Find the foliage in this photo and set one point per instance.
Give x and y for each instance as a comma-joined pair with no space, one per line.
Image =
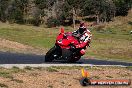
122,6
41,3
3,9
103,8
39,12
53,22
16,11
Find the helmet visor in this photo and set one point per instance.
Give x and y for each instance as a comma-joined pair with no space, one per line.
81,30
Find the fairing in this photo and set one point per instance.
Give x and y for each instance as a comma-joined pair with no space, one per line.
65,39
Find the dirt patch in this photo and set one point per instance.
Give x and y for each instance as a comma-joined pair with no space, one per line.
7,45
64,77
13,45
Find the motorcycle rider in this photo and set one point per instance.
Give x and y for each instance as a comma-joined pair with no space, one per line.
84,37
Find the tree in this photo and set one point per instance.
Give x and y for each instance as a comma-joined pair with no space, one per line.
103,9
17,10
44,8
24,8
3,6
76,6
108,10
122,6
61,11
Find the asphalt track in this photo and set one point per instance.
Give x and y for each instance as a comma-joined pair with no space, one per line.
10,59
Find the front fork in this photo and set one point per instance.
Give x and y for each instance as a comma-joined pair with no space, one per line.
57,54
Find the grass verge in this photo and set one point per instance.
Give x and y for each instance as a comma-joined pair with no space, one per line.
107,43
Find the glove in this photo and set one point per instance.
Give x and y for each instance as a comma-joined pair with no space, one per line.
75,34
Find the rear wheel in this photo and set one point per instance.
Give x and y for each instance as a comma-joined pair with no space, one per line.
74,59
49,57
69,56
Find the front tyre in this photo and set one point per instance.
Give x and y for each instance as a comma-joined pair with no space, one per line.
49,57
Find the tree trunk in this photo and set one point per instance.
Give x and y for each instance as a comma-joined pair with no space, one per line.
74,15
97,19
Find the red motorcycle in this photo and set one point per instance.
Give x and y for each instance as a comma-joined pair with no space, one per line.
64,48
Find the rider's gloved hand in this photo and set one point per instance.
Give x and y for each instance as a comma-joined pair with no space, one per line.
75,34
78,35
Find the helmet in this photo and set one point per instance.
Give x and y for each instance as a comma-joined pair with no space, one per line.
82,28
82,24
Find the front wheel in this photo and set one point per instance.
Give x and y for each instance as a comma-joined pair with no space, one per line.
49,57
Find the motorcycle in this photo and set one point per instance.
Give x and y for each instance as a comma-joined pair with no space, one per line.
64,48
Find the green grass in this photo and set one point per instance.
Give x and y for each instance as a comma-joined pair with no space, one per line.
110,43
39,38
108,76
51,69
28,68
129,68
50,86
96,77
8,73
16,70
5,75
3,85
107,45
67,67
17,80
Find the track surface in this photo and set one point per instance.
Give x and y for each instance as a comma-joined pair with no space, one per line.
17,58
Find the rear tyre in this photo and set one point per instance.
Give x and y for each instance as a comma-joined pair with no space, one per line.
69,56
74,59
49,57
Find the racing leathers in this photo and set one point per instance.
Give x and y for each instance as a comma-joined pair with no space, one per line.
83,38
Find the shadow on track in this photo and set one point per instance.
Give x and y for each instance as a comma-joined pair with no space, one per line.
104,62
17,58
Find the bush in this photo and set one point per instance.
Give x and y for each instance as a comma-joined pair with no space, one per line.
52,22
33,21
130,22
